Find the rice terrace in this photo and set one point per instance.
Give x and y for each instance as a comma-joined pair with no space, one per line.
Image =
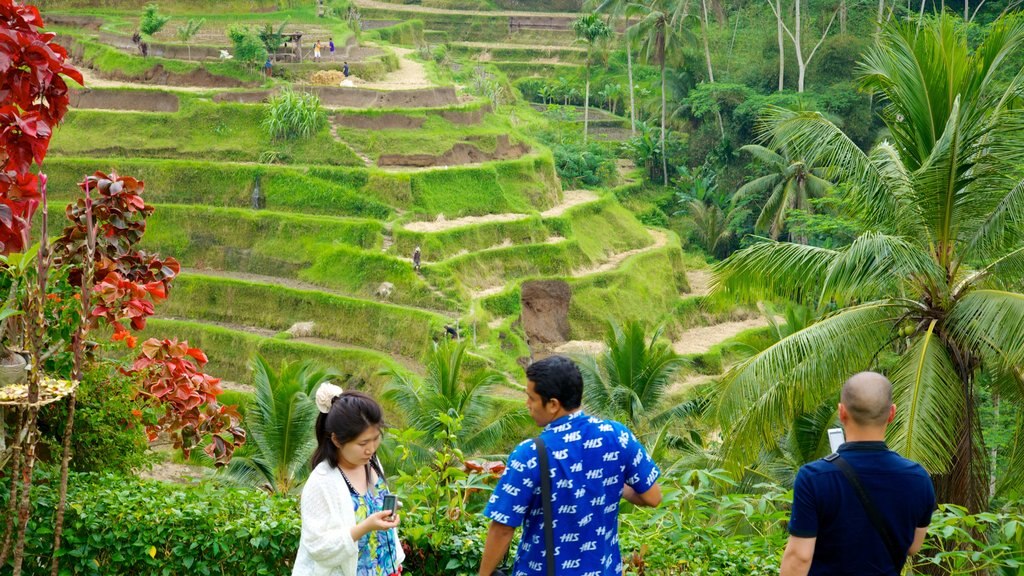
220,220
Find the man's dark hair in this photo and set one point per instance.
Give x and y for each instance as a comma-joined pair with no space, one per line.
557,377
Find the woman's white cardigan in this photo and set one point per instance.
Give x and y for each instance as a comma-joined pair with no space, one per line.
326,547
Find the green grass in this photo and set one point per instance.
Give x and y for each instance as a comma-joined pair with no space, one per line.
382,327
321,190
645,288
436,136
199,130
472,27
589,224
229,351
405,33
519,53
495,187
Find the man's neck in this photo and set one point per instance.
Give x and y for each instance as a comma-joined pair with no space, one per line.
855,434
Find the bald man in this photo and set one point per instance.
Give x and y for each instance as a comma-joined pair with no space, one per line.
830,531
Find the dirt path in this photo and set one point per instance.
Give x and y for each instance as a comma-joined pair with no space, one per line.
570,198
700,340
699,281
428,10
410,75
660,239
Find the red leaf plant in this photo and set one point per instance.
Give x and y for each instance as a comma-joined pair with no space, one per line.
171,375
128,281
34,99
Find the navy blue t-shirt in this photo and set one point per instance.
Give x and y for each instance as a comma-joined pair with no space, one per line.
826,507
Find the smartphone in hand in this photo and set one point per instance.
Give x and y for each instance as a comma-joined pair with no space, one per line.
391,504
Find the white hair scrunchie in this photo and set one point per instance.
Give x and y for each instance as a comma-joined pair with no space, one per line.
325,395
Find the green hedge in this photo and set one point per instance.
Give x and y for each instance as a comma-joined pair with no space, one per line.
230,350
200,130
125,526
381,327
321,190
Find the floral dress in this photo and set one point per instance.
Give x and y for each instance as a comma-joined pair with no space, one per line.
377,554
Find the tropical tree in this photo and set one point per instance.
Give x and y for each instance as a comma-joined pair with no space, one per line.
711,214
619,9
629,381
151,20
486,419
591,30
659,31
280,423
790,185
611,93
188,30
935,282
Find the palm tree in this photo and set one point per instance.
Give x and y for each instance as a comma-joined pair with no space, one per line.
710,213
591,30
280,424
791,183
188,30
936,281
630,379
617,9
486,418
659,30
611,94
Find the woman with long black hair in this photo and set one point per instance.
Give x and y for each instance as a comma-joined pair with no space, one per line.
345,530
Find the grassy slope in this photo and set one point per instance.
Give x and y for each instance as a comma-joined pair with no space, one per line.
199,130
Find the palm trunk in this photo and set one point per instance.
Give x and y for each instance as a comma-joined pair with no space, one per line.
664,155
782,47
842,17
586,101
629,73
707,48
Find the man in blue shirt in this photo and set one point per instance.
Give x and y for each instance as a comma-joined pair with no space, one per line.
830,530
594,464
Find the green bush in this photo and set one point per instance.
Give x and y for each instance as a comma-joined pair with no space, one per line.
580,165
107,436
247,47
294,115
152,21
125,526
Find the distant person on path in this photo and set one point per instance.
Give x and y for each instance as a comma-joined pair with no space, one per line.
268,67
415,253
344,70
345,531
831,531
594,464
316,51
330,48
451,332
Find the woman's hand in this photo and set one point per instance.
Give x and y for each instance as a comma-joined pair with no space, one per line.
384,520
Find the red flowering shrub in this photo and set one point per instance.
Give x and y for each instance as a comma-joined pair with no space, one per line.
171,374
33,100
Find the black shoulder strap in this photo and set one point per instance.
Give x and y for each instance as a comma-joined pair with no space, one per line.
545,499
897,556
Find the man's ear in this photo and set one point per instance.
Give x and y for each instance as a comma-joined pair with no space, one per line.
843,414
892,414
553,406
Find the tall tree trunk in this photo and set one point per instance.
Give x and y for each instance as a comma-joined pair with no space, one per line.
629,74
881,14
664,155
586,100
842,16
994,453
782,47
707,47
801,66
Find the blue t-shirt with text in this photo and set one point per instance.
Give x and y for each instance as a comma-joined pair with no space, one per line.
591,460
